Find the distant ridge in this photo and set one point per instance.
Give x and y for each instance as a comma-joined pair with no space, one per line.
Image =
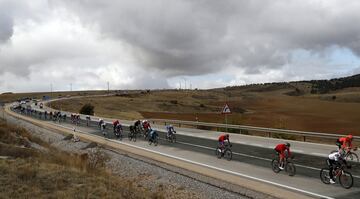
301,87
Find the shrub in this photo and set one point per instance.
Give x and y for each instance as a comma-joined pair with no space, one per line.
173,101
97,158
87,109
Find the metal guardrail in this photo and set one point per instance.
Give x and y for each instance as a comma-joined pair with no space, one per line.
268,131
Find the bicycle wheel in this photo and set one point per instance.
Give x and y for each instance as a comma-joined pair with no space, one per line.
228,154
324,175
353,157
156,142
275,165
346,180
290,169
134,137
173,138
218,152
130,136
120,136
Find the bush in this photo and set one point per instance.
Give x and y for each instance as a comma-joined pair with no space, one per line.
97,158
173,101
87,109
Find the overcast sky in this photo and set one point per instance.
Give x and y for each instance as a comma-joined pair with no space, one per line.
163,43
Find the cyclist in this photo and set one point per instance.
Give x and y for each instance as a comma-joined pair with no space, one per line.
222,139
153,135
170,130
345,142
137,126
281,149
118,129
115,123
88,119
146,126
101,121
335,160
102,126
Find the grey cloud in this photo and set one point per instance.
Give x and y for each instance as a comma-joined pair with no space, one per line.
189,37
196,37
6,27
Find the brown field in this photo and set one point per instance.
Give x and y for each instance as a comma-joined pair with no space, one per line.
253,105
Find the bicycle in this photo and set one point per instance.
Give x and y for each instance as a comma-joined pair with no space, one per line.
346,180
224,152
171,137
132,134
102,128
288,165
118,133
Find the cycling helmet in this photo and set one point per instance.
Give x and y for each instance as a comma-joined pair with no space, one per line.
350,137
170,125
287,144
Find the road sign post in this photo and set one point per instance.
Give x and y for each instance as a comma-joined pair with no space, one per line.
226,110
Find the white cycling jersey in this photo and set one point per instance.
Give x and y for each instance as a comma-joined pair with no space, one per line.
335,156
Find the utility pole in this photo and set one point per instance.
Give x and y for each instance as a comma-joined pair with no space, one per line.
185,82
108,85
51,93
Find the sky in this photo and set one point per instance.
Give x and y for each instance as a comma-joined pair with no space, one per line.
156,44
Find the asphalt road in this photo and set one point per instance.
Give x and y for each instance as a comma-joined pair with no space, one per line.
248,160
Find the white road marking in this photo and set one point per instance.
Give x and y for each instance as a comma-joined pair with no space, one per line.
319,154
297,151
259,145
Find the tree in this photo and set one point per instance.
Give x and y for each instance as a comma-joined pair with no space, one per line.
87,109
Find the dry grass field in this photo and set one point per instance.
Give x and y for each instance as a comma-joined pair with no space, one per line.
45,172
270,107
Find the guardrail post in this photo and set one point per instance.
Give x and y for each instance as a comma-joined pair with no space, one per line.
179,125
304,138
269,134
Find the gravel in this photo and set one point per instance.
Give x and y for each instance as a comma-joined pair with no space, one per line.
152,175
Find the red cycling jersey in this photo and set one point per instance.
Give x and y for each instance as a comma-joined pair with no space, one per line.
281,148
345,141
222,138
146,125
116,122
